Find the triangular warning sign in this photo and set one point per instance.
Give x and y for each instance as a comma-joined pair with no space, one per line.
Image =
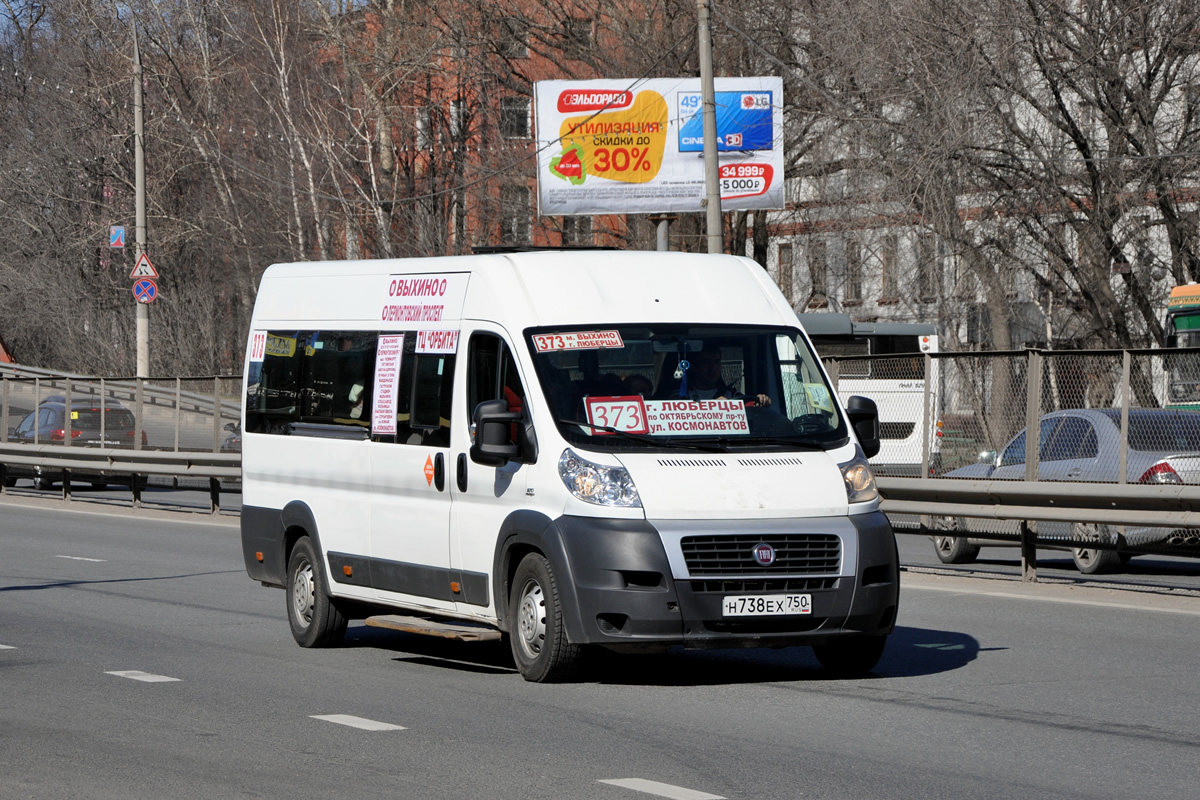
143,268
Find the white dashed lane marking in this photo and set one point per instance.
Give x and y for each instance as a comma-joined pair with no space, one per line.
662,789
81,558
7,647
358,722
138,675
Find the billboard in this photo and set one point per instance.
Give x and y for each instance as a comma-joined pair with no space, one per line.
637,147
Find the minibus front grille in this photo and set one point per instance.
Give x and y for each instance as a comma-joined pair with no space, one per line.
760,586
733,554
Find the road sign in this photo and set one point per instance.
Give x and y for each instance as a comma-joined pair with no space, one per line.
143,268
116,236
145,290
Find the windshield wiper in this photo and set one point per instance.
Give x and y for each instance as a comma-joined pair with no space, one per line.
726,443
645,438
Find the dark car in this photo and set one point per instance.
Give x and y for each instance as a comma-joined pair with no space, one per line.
92,422
232,443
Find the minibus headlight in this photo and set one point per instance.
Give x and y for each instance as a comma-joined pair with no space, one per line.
596,483
860,483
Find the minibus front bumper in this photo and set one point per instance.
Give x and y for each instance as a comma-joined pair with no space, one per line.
634,584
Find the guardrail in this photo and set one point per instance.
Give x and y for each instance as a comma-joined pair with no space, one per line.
134,464
1026,503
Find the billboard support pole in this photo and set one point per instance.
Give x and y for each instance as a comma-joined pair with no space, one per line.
139,143
708,101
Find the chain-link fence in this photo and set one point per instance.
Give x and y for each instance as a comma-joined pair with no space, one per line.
1120,417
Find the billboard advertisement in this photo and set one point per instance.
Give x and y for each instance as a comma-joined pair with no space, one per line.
637,147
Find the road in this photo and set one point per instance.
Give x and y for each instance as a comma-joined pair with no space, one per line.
140,662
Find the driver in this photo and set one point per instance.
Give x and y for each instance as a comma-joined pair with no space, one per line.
704,379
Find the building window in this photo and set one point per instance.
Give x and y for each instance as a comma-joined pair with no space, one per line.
929,268
853,289
512,38
889,292
1189,237
817,273
577,230
577,36
514,117
515,220
425,133
784,271
459,120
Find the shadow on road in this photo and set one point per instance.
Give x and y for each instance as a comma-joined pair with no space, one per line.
910,652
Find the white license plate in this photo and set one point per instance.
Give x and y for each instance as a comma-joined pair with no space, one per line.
765,605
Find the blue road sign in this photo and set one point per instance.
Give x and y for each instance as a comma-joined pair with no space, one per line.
116,236
145,290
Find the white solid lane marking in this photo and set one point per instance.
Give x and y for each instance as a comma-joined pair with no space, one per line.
138,675
1074,601
662,789
81,558
358,722
7,647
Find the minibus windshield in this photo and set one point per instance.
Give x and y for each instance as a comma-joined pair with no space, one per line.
701,386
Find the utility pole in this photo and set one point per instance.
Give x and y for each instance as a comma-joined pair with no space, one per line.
708,108
139,245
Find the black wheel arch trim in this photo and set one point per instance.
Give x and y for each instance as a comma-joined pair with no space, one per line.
297,514
523,531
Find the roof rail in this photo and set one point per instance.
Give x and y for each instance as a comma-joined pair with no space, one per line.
500,249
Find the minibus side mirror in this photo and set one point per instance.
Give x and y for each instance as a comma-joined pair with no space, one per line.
864,418
494,427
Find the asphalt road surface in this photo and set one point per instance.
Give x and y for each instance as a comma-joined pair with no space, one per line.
137,660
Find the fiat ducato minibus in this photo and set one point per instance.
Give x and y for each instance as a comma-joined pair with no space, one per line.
567,449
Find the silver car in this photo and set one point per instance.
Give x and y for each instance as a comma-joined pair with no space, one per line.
1084,445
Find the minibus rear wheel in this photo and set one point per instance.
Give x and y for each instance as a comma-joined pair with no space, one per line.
539,641
314,619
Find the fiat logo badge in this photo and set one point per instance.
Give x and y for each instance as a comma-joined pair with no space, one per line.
764,554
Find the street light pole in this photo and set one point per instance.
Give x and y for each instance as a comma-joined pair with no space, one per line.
708,108
139,160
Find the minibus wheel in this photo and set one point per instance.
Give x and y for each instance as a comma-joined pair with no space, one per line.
538,638
314,619
851,656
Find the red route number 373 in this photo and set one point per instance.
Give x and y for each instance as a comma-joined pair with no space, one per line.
625,414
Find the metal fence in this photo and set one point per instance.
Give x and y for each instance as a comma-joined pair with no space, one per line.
1124,417
58,428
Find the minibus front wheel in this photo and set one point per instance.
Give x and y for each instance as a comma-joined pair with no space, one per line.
539,639
314,619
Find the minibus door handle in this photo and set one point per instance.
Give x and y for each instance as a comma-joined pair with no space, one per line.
462,472
439,472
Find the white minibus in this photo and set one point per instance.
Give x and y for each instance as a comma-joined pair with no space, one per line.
564,448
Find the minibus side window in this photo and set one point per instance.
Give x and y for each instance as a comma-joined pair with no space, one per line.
273,391
340,376
427,388
493,374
